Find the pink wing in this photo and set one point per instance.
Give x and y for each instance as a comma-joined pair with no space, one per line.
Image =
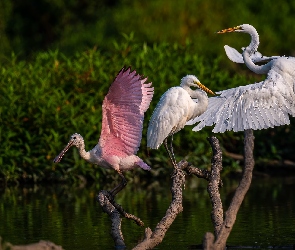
123,113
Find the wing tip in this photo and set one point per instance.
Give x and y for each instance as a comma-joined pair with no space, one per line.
128,69
124,69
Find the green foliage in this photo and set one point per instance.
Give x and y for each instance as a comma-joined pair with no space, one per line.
41,101
45,100
30,26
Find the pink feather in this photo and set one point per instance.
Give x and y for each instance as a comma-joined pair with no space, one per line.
123,113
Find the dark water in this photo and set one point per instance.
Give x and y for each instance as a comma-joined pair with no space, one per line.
70,216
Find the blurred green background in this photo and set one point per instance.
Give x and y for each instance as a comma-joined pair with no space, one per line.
30,26
59,58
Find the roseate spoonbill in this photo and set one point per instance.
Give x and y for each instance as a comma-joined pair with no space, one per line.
176,106
255,106
123,109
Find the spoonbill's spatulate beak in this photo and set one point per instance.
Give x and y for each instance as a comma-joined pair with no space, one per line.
62,153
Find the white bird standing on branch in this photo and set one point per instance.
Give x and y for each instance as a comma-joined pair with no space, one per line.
256,106
176,106
122,121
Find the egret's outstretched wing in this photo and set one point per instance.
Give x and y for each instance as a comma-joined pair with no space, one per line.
169,116
255,106
123,113
237,57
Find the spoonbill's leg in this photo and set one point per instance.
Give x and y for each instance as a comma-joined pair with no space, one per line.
171,156
118,188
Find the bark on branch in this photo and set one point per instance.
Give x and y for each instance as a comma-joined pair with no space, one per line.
214,184
114,210
154,238
219,241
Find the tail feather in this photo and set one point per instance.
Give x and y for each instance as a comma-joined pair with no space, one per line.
143,165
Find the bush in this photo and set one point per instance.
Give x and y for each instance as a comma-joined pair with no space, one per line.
45,100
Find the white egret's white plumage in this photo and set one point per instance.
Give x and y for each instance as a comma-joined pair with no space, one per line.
255,106
237,57
176,106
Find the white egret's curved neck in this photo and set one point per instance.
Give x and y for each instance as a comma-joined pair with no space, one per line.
197,93
258,69
187,88
201,106
251,49
253,46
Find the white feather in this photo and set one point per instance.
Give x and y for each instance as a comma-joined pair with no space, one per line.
255,106
237,57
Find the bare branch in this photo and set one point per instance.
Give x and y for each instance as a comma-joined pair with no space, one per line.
120,209
231,213
152,239
201,173
222,228
103,198
114,210
214,183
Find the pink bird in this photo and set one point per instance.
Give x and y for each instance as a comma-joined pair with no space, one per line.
122,121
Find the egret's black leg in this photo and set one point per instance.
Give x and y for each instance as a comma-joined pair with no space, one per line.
169,153
171,150
122,184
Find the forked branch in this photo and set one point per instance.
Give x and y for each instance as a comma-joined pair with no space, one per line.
219,241
222,227
114,210
214,182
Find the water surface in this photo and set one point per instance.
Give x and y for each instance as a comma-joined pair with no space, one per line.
71,217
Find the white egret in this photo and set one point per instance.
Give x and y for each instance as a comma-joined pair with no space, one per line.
176,106
255,106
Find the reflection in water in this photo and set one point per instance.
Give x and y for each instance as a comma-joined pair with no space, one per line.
70,216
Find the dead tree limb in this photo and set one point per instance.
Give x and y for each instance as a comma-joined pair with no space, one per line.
114,210
103,198
222,228
214,184
154,238
230,216
201,173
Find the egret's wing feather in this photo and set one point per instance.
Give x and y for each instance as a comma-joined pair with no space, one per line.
233,54
169,116
123,113
255,106
237,57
